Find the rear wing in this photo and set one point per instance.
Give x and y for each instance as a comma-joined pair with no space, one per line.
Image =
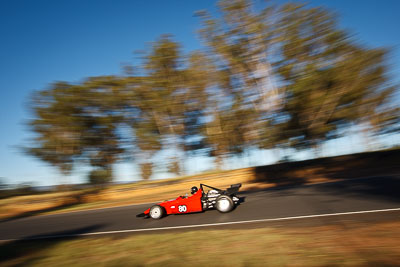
233,189
229,191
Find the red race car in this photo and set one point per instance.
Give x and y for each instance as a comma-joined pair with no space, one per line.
203,198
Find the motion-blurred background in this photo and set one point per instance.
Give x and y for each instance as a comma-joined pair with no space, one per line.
107,105
209,86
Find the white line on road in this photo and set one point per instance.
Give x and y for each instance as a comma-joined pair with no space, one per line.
209,224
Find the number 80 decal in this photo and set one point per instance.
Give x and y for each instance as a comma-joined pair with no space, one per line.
182,208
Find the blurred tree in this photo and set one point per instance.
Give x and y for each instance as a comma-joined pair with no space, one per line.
239,44
174,167
198,80
3,184
158,98
273,78
57,131
329,80
78,123
102,113
171,100
100,176
146,170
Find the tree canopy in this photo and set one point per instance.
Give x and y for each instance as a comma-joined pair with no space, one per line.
284,76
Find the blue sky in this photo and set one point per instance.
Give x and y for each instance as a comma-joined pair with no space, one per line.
43,41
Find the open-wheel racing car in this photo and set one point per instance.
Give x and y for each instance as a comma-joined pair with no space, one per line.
204,198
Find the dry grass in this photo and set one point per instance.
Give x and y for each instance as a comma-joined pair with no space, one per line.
120,195
347,244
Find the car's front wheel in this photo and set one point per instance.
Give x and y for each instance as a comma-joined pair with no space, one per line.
156,212
224,204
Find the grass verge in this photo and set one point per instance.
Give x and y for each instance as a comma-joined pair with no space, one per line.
345,244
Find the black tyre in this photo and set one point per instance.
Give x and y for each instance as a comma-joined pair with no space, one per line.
224,204
156,212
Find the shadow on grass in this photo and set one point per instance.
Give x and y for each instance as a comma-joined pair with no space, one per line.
72,201
344,167
380,187
28,250
384,188
378,166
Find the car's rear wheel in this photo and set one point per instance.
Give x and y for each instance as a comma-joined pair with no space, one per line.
224,204
156,212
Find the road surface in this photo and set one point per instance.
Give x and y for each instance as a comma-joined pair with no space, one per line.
367,199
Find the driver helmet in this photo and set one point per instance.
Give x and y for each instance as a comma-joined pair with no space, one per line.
194,189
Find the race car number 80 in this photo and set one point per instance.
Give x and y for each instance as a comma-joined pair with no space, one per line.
182,208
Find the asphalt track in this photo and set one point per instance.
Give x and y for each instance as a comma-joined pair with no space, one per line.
365,200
